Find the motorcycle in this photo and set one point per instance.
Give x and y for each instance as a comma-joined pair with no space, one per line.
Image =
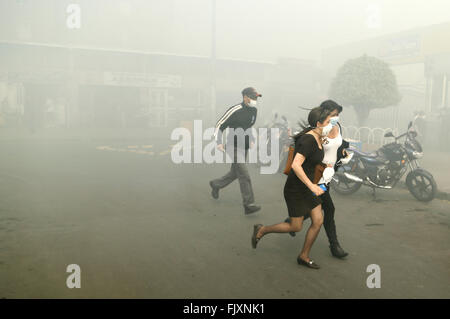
384,168
284,139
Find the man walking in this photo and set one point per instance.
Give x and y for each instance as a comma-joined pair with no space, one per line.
239,117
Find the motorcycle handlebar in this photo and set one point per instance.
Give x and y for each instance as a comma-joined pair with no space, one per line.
407,133
400,136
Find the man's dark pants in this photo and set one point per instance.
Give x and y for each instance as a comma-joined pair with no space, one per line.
239,171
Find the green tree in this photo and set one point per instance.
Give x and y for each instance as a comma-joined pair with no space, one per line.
365,83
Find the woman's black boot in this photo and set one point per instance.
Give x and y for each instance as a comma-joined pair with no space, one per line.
337,251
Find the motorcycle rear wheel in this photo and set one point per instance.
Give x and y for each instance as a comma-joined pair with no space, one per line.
341,184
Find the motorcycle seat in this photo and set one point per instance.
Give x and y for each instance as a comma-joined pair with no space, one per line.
364,154
372,160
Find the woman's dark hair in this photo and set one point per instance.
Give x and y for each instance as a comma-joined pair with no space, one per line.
331,105
317,114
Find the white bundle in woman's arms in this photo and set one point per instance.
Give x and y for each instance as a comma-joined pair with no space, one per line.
327,175
346,159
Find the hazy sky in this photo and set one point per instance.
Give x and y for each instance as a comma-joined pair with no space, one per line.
302,29
260,30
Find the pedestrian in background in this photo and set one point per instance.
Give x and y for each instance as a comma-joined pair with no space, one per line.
239,116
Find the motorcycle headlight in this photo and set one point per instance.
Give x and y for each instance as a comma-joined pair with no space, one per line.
417,154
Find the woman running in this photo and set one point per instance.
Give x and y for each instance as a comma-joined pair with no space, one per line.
334,152
301,195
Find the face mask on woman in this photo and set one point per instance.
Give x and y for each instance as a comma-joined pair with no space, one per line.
326,129
334,120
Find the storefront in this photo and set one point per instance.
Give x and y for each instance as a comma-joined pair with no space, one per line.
99,88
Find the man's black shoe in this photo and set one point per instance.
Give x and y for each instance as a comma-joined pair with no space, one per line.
250,209
215,191
337,251
288,220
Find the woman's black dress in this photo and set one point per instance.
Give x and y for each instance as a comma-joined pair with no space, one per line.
299,198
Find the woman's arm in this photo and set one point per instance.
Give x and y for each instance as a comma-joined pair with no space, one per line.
298,170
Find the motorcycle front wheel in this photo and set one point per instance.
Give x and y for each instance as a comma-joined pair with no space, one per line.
421,185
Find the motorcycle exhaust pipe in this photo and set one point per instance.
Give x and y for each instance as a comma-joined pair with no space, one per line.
378,186
353,178
359,180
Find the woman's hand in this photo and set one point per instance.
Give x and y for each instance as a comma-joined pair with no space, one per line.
316,189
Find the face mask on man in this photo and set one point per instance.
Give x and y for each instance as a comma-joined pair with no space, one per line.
252,102
334,120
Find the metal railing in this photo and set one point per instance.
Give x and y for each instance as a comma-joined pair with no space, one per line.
367,135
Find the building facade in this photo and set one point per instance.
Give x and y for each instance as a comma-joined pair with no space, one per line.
420,59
